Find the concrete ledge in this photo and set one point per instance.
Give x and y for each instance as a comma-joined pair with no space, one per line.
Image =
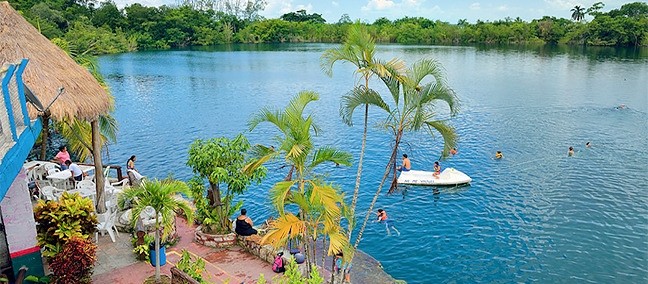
216,241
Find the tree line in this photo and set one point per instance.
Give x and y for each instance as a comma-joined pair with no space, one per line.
85,26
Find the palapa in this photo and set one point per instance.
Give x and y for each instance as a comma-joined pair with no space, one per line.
50,68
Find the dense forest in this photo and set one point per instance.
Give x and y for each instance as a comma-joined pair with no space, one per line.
89,27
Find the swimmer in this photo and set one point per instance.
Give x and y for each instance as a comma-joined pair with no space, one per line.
570,152
588,145
621,106
382,218
437,169
453,151
499,155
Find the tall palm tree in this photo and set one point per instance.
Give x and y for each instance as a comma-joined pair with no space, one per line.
161,195
578,13
413,109
359,49
320,204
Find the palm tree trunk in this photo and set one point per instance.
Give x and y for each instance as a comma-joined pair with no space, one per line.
45,135
392,159
157,248
356,189
99,178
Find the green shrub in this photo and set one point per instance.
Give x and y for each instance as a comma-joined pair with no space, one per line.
193,268
59,221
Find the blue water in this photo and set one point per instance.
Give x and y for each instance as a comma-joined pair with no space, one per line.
536,215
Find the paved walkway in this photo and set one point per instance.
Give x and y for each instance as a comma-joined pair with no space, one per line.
116,262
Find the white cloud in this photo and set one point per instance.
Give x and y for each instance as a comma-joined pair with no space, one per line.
474,6
276,8
378,5
502,8
562,4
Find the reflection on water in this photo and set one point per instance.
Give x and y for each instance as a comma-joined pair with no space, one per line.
536,215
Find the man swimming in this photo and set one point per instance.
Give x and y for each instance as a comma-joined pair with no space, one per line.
382,218
499,155
570,152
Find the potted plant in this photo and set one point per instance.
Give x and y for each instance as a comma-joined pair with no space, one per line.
161,196
219,162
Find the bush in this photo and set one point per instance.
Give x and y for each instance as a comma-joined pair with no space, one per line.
75,262
192,268
59,221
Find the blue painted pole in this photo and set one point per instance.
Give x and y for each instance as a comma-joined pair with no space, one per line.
7,99
21,90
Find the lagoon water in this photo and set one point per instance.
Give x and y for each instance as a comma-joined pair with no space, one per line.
534,216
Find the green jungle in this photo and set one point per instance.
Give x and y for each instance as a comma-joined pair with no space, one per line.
92,28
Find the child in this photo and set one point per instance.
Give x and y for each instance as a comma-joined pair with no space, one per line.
437,169
278,265
382,218
341,266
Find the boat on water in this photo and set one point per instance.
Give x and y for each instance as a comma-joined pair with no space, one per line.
448,177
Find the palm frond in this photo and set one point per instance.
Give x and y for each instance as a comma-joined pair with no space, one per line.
359,96
260,155
279,193
330,154
441,92
447,132
285,227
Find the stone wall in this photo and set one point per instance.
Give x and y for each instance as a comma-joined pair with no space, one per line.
216,241
179,277
252,244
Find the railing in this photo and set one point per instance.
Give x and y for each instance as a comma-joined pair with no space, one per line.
13,105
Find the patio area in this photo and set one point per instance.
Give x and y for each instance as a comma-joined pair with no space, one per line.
116,262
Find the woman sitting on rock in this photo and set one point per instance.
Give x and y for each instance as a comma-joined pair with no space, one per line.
244,225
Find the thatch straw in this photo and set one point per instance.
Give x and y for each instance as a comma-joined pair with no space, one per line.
50,68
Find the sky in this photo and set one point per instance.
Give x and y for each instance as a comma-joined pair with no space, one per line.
447,10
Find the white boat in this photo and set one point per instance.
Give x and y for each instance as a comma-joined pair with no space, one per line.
449,176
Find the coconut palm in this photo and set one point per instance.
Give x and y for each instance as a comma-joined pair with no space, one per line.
578,13
359,49
320,205
414,98
163,196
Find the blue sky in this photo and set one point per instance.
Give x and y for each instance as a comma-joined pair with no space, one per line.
448,10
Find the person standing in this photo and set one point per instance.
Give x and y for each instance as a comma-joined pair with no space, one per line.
62,156
77,173
130,165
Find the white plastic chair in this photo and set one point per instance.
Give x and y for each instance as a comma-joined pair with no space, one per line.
52,171
107,224
85,184
50,193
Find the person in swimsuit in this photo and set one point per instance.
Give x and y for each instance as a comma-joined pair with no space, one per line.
382,218
499,155
437,169
570,152
244,225
588,144
407,165
453,151
130,165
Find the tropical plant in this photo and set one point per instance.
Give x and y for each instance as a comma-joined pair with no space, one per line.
320,205
220,161
578,13
163,197
359,49
59,221
75,262
414,100
193,268
294,276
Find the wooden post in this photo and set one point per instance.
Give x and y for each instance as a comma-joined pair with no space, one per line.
45,135
99,178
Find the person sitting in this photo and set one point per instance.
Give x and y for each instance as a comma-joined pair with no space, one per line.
77,173
278,264
244,225
130,164
453,151
407,165
340,266
570,152
437,169
62,156
499,155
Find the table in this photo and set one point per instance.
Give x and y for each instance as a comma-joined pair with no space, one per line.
67,174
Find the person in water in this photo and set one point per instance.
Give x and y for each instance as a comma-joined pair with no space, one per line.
499,155
382,218
570,152
407,165
588,145
453,151
437,169
244,225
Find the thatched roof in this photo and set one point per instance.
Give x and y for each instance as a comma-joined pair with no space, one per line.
50,68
